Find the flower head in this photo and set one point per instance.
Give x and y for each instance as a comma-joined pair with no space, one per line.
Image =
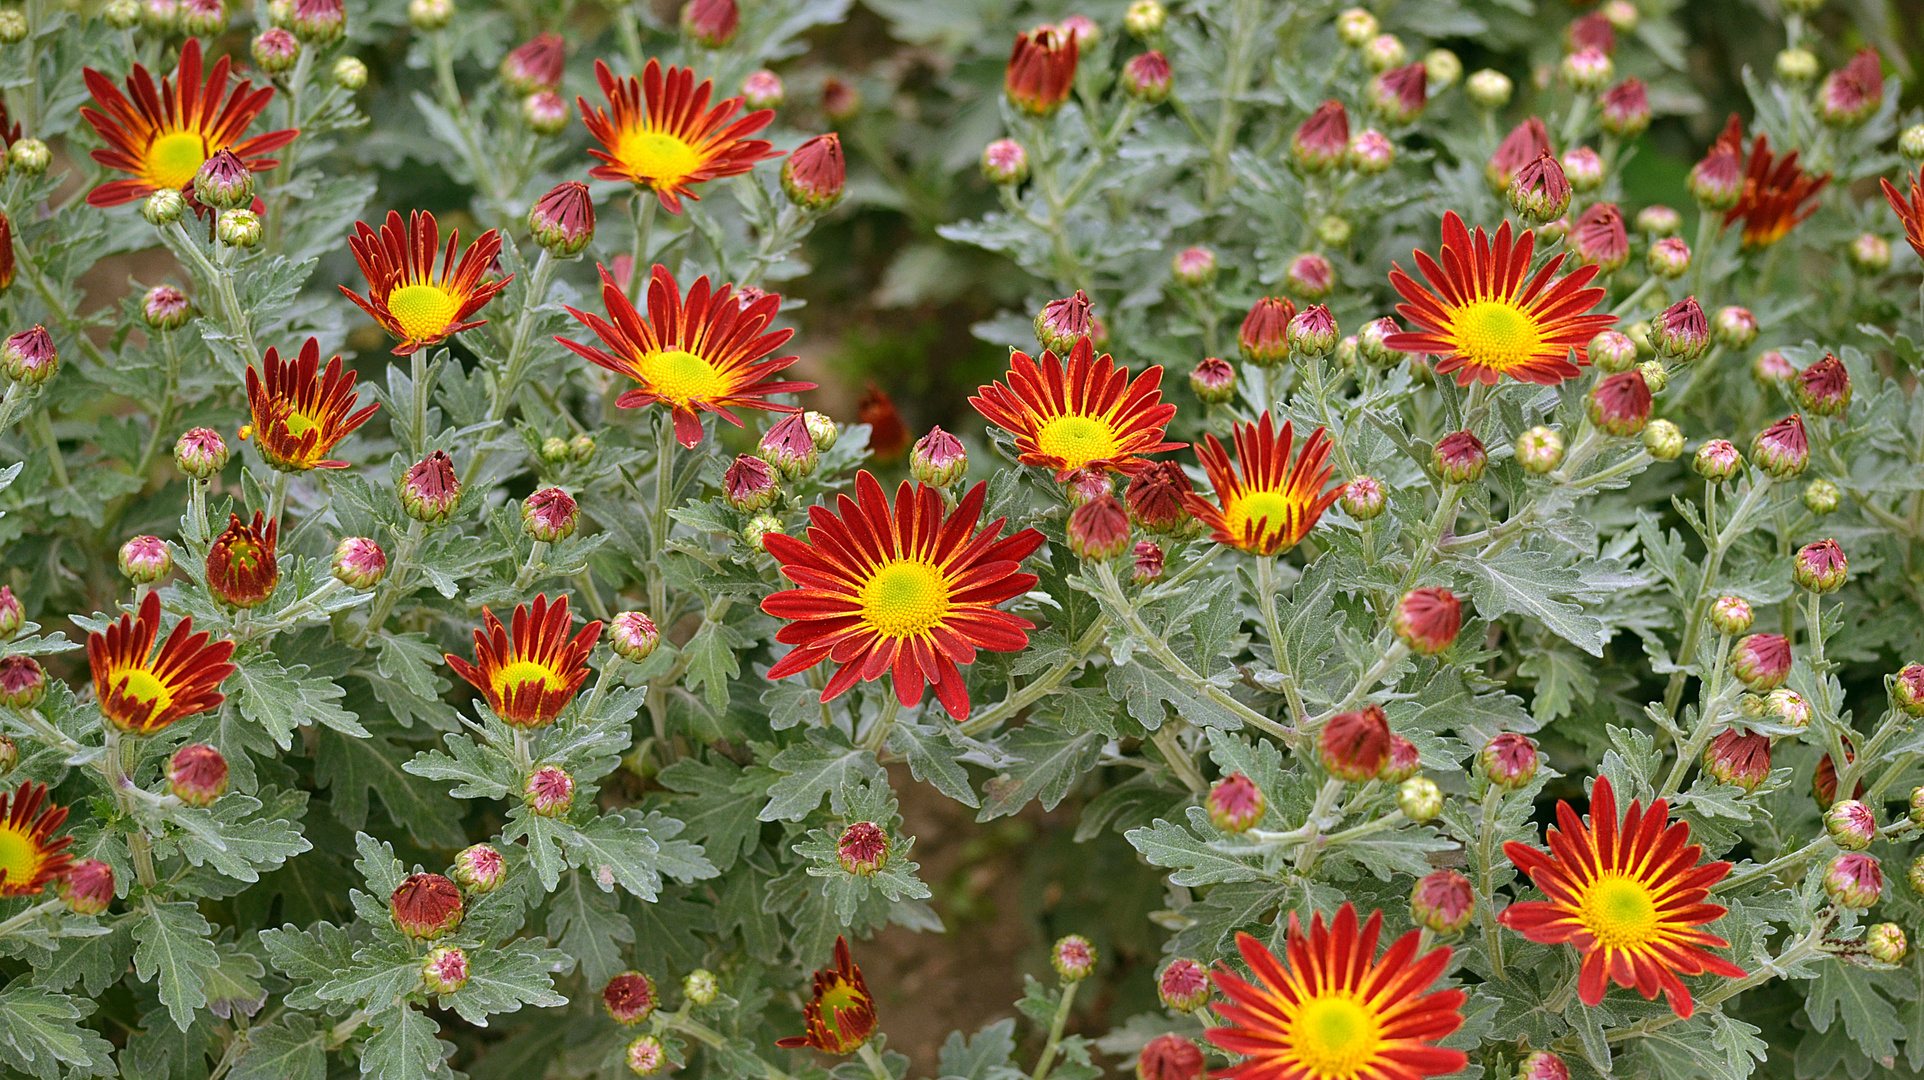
1783,448
1738,758
1620,404
630,998
549,791
1042,70
1264,335
160,135
1525,143
479,869
1235,804
30,855
426,906
242,568
299,412
899,589
1335,1009
1443,901
87,887
1598,238
1183,985
1087,414
1322,141
1776,193
840,1016
1355,746
29,357
530,676
1626,895
704,352
1266,503
1170,1057
563,220
1824,388
862,849
405,295
197,774
674,141
1488,318
814,173
140,690
23,683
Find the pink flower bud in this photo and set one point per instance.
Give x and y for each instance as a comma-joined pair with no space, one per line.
479,869
1598,237
426,906
203,18
1041,70
1062,323
201,453
1589,70
1385,51
1443,901
1371,152
1869,253
1820,567
1148,563
1659,221
1739,759
749,484
1850,825
224,181
1509,760
536,65
165,307
23,684
1539,450
1427,620
1626,109
1310,276
1542,1065
29,357
445,971
814,173
1099,529
1591,31
1398,95
1762,661
1525,143
1146,77
545,113
1730,614
1734,327
430,492
359,563
1788,707
1236,804
1314,332
1852,93
1772,368
1824,388
1370,341
1170,1057
862,849
1540,192
1073,958
1681,332
1854,881
1322,141
1183,985
1885,943
711,22
1907,689
1620,404
563,220
1355,746
1194,266
1363,498
841,101
1213,381
197,774
1782,449
549,791
88,887
938,459
1086,485
1459,457
1005,162
1717,460
1404,761
12,615
1717,182
630,998
320,21
550,515
646,1056
789,448
145,559
763,90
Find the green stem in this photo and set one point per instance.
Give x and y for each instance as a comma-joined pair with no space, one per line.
1486,871
1056,1027
641,213
1041,687
1178,759
1775,866
32,914
392,589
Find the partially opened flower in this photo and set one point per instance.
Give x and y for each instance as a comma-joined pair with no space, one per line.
30,855
1525,143
536,65
1322,142
1627,895
1487,316
140,690
1849,95
705,352
530,674
1041,71
1265,502
405,294
840,1016
300,412
161,135
1335,1009
674,141
1087,414
1777,193
899,589
242,566
1355,746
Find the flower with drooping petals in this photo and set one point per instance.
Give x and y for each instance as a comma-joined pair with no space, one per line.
1087,414
1740,759
30,855
1488,317
675,141
1337,1010
1042,70
1627,895
161,135
899,589
405,295
242,567
1265,502
840,1015
529,676
1777,194
1443,901
141,691
1355,746
701,353
426,906
300,413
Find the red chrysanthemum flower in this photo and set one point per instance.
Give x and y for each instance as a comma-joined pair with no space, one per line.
403,293
530,676
1265,504
698,354
1777,194
901,590
1628,896
242,566
1087,415
1042,70
300,413
1488,317
840,1016
1336,1010
30,856
162,135
676,141
142,691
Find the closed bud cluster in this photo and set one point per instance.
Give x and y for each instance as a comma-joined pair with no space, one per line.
1782,449
1073,957
224,182
1443,902
1509,760
197,774
750,484
550,515
1427,620
1363,498
1489,89
1459,457
1854,881
1850,825
1419,799
1668,258
938,459
1739,759
479,869
1821,497
1730,615
1762,662
1099,529
1314,331
862,849
1717,460
1236,804
1355,746
633,636
1310,276
1183,985
1820,567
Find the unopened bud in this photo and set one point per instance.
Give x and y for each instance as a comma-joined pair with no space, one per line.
1907,692
633,636
1419,799
88,887
1459,457
430,15
1443,901
29,357
1235,804
1664,440
1850,825
1870,253
23,685
1489,89
701,987
430,492
445,971
239,228
550,515
549,791
862,849
1509,760
1005,162
1073,957
1820,567
1356,27
938,459
479,869
759,528
563,220
276,51
646,1056
1730,615
1213,381
349,73
1885,943
1669,258
201,453
145,559
763,90
1854,881
1363,498
1797,66
1144,19
630,998
30,156
544,111
1717,460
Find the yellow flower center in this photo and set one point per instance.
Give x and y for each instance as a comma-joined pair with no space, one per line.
1620,911
656,157
423,311
1077,440
174,158
905,598
20,858
526,673
141,685
298,423
681,376
1335,1037
1495,334
243,554
1273,511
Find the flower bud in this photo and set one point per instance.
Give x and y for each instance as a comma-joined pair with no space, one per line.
1398,95
1849,95
763,89
1427,620
1797,66
862,849
1062,323
1620,404
1371,152
1854,881
1144,19
1444,68
198,18
1170,1057
1236,804
1582,168
430,492
1193,266
1738,759
165,308
145,559
29,357
1717,181
1443,901
938,459
426,906
1148,563
1907,690
23,685
1870,253
276,51
789,448
1310,276
359,563
1322,141
1911,143
563,220
1083,29
201,453
1489,89
12,615
1734,327
1850,825
1355,746
159,16
1730,615
701,987
1509,760
537,64
197,774
1356,27
1664,440
841,101
633,636
1681,332
759,528
1542,1065
122,14
1213,381
550,515
1459,457
630,998
1717,460
1073,958
87,888
1668,258
1005,162
1385,51
445,971
1762,661
1146,77
1404,761
1916,875
1099,529
749,484
814,173
646,1056
239,228
349,73
1419,799
1659,221
549,791
1626,109
430,15
1264,335
1314,332
1821,497
163,207
1824,388
224,182
1363,498
1885,943
1782,449
545,113
479,869
1183,985
1820,567
1587,70
1772,368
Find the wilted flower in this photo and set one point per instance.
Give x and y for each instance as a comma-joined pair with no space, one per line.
23,684
1155,498
29,357
1626,109
938,459
1443,901
1509,760
563,220
1062,323
1398,95
1148,563
197,774
1853,92
1459,457
630,998
1314,332
1824,388
1042,70
1717,460
242,566
1820,567
1427,620
479,869
1322,141
549,791
426,906
1310,276
1539,450
1854,881
1236,804
1146,77
1355,746
145,559
1762,661
1170,1057
1005,162
1540,191
1782,449
1850,825
814,173
430,492
1620,404
1489,89
1598,237
87,887
1183,985
1738,758
862,849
